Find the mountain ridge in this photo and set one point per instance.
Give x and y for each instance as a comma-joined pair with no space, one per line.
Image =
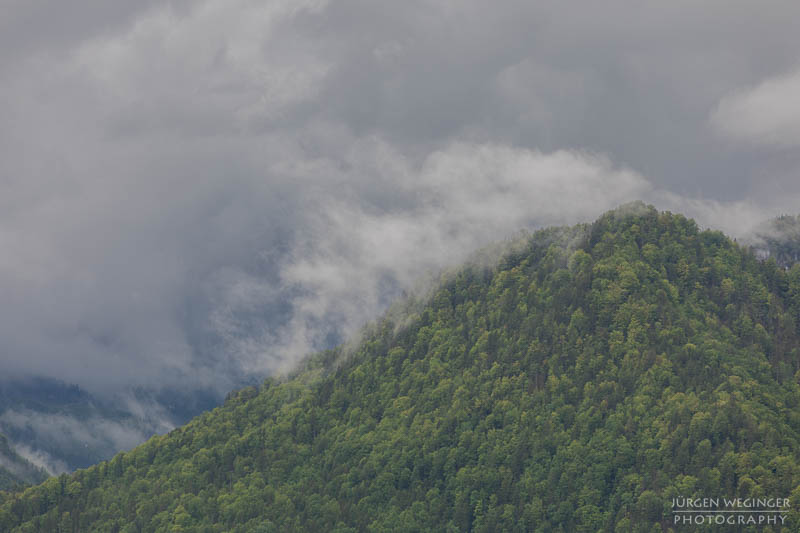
579,384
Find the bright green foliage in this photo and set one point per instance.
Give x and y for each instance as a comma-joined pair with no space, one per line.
574,388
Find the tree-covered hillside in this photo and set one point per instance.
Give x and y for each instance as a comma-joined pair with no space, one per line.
578,385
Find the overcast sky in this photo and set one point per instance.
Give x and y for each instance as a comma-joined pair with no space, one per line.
193,192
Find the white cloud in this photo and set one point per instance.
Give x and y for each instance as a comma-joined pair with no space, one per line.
465,196
767,114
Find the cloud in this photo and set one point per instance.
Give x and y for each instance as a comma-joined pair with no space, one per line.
219,67
354,258
767,114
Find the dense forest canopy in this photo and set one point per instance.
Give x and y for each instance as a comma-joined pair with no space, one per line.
580,384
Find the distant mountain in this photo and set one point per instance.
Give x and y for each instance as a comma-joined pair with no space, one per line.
580,384
70,428
16,471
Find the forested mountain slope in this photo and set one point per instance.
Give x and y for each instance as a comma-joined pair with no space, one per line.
578,385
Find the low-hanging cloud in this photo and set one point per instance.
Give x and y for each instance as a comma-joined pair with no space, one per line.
353,257
53,441
351,260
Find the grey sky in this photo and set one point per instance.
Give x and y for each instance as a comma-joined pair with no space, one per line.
194,192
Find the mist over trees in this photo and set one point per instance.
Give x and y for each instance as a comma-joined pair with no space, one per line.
15,470
780,239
